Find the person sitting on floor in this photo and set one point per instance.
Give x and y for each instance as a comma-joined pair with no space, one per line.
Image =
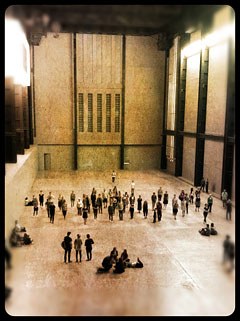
212,230
124,257
19,228
107,264
205,231
137,264
27,202
15,239
119,266
114,254
26,239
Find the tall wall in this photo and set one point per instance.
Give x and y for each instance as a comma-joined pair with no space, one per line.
144,102
99,101
18,182
191,111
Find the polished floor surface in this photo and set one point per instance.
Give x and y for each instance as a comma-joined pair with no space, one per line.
183,273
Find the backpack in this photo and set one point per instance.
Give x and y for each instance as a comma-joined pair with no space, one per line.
63,245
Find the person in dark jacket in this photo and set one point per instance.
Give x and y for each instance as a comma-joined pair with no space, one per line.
107,264
139,204
88,244
205,213
110,212
67,247
213,231
52,212
119,266
154,199
205,231
159,210
165,199
145,209
131,210
85,215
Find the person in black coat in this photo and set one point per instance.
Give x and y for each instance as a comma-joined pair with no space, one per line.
145,209
159,211
131,210
67,247
52,212
139,202
88,244
119,266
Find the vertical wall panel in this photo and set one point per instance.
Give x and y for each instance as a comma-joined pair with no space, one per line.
213,159
88,58
189,150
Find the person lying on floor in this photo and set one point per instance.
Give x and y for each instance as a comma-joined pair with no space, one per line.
27,202
137,264
205,231
119,266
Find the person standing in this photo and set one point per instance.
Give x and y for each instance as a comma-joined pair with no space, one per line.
95,209
187,202
78,248
52,212
72,198
131,210
183,206
64,208
93,197
154,199
110,211
165,199
132,199
67,247
145,209
228,209
79,206
104,198
88,244
191,195
35,205
41,198
139,202
206,186
85,215
197,202
205,213
60,199
175,206
160,192
202,184
210,203
228,252
113,176
87,203
120,210
154,215
124,201
132,187
159,210
224,198
99,203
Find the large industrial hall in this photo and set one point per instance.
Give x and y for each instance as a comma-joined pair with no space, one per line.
119,160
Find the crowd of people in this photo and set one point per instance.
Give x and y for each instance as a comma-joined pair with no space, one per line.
115,202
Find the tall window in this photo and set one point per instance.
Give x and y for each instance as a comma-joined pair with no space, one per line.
99,112
117,113
108,113
81,112
90,112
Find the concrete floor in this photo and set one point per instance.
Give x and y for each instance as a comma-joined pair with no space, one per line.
182,274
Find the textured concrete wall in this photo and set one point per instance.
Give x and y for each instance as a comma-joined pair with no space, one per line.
144,91
18,182
213,161
189,150
141,158
217,89
192,87
61,157
54,90
98,157
172,82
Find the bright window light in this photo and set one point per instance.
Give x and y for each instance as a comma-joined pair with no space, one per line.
210,40
17,55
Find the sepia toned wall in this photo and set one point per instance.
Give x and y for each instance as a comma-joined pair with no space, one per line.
144,158
99,71
188,163
98,157
144,93
53,90
192,87
213,162
18,182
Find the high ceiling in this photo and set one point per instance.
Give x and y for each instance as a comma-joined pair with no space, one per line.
111,19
